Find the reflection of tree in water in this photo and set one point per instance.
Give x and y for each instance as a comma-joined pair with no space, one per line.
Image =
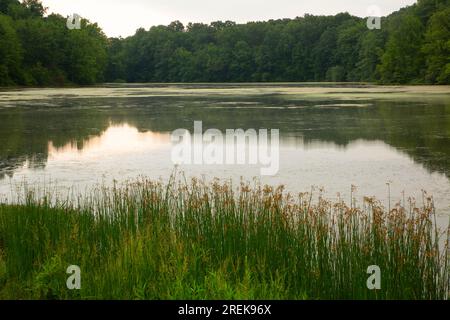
421,131
10,164
25,135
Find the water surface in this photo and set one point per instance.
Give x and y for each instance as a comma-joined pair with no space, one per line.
331,136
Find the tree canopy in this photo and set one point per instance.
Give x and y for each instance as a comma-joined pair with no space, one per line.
38,50
413,46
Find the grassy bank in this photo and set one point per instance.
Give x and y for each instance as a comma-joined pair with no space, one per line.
149,240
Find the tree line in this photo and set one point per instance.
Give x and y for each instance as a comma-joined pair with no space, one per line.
412,46
38,50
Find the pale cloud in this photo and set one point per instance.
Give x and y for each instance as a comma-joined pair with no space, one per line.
123,17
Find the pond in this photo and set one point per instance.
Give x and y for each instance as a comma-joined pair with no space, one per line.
389,142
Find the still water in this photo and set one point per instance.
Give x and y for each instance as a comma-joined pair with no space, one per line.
331,136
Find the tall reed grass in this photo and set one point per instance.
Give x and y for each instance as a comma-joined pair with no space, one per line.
196,240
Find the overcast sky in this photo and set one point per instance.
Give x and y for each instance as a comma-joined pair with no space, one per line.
123,17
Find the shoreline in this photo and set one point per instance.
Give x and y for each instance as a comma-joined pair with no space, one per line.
196,241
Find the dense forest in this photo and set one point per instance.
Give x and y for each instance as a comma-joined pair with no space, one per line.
412,46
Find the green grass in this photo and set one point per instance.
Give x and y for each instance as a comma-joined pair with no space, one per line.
149,240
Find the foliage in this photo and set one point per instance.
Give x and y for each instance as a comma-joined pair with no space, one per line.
40,50
10,52
437,48
412,47
149,240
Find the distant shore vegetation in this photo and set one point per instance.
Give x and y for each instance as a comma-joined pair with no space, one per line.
412,47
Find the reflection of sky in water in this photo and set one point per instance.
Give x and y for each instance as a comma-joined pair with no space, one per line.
331,136
116,141
122,152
